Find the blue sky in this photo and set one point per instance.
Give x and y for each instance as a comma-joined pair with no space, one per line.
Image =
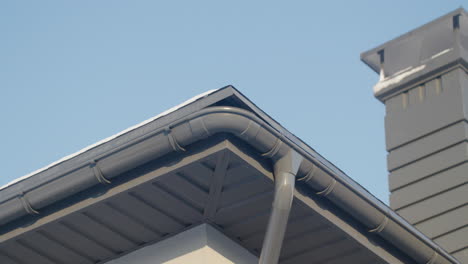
74,72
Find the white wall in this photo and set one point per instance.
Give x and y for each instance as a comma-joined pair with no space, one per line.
200,245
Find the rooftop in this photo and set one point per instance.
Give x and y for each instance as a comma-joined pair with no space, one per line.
205,161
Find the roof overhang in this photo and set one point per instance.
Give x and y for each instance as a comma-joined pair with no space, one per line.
208,162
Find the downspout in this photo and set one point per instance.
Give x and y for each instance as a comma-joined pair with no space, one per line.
285,170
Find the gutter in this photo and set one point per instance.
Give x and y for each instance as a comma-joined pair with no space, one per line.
317,175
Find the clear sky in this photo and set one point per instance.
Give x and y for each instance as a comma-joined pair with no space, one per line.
75,72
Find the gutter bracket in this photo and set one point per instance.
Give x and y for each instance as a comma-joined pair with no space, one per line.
309,174
27,205
174,144
274,150
285,170
327,189
380,227
98,173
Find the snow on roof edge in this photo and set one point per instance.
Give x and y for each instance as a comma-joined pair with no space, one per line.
173,109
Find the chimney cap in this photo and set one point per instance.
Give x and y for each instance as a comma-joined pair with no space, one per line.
421,45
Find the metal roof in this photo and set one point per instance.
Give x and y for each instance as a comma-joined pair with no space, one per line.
101,142
207,162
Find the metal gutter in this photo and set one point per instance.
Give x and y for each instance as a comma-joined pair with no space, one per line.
326,181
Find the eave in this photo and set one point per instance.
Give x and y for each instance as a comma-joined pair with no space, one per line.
151,155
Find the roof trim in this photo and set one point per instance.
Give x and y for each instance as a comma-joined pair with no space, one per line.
68,157
245,125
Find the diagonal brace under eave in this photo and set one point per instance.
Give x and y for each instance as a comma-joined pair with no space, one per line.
217,183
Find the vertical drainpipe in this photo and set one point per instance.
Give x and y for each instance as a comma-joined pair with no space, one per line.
285,170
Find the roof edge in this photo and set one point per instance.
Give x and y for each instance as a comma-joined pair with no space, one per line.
245,125
110,138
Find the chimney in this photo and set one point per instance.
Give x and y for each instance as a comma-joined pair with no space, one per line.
424,86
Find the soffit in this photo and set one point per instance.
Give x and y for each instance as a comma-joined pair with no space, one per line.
218,182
